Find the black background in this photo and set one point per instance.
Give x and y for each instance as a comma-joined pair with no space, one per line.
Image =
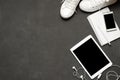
35,41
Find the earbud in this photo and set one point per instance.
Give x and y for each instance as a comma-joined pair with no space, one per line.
76,73
74,68
81,77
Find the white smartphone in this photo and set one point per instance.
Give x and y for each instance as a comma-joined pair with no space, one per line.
109,21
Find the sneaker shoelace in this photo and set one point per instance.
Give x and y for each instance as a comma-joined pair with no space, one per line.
71,4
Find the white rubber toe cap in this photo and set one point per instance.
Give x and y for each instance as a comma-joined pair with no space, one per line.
66,13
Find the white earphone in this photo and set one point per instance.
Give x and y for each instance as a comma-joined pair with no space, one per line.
83,76
74,68
75,73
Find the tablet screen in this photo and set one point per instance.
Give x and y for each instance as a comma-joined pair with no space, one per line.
91,56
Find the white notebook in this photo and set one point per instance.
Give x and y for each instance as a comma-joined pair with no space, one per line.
97,23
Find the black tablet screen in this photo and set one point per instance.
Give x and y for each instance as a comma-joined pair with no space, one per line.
91,56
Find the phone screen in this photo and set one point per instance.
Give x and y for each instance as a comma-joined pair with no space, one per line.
109,21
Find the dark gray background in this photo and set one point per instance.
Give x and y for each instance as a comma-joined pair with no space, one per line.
35,41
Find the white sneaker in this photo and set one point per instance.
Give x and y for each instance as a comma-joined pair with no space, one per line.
93,5
68,8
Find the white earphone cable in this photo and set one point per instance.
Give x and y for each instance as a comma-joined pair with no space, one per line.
83,75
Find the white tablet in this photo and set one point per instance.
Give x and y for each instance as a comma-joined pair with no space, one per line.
91,57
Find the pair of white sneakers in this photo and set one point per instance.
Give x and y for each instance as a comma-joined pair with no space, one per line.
68,7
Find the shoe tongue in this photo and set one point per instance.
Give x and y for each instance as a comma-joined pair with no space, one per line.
71,3
70,0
